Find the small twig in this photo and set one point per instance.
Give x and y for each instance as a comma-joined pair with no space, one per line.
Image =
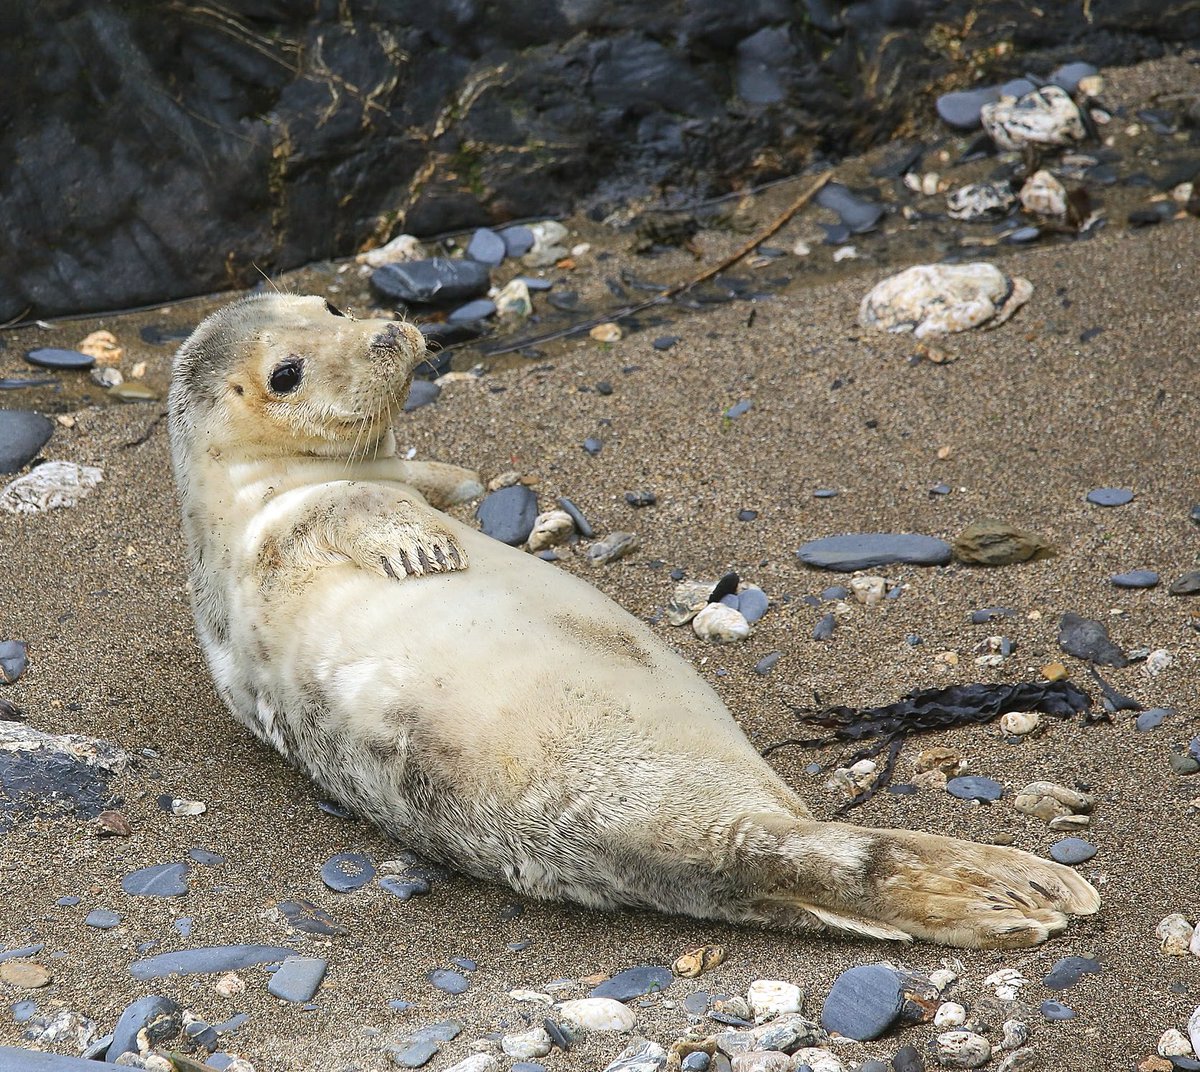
146,434
673,291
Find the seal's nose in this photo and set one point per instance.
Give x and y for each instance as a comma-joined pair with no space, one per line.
401,337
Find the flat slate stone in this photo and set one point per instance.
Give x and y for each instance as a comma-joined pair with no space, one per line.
22,435
161,880
1088,639
303,915
451,982
1109,496
161,1016
1187,585
865,550
13,660
508,514
17,1059
480,309
208,859
1140,578
857,213
863,1002
974,787
421,394
634,983
347,871
1056,1010
487,247
206,960
1072,850
1152,719
420,1047
103,919
50,357
405,886
21,952
297,979
437,279
1069,970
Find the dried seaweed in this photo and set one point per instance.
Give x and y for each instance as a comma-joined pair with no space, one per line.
887,728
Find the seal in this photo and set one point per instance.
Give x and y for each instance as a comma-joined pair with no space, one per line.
487,708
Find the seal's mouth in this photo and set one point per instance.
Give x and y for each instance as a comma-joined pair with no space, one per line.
399,340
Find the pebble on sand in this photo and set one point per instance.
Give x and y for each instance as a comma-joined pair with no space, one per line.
22,435
297,979
634,983
867,550
863,1002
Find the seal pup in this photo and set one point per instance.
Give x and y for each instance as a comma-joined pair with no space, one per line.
490,710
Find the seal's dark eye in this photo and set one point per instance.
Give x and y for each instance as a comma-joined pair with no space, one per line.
286,377
333,308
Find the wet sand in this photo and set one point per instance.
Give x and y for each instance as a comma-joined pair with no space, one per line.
1033,418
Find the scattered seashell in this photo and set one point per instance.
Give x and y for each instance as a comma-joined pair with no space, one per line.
980,201
615,545
51,486
1174,1043
946,760
597,1014
868,590
853,780
112,824
1156,662
773,997
1044,195
549,529
606,332
1006,983
1047,116
697,961
106,376
547,246
719,624
950,1014
939,298
1174,934
962,1049
138,370
102,345
943,978
179,806
230,985
403,247
1070,822
1019,723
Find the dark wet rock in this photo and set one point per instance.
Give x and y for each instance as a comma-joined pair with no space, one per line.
103,919
405,887
866,550
1072,850
638,499
1141,578
160,1017
46,775
986,614
22,435
160,880
297,979
1056,1010
1109,496
479,309
863,1002
207,960
823,630
665,342
437,280
1087,639
835,593
518,240
634,983
338,811
858,214
13,660
727,585
593,445
487,247
767,663
421,394
1068,971
764,61
1069,75
206,858
303,915
908,1059
739,408
451,982
974,787
996,543
60,359
1152,719
1187,585
347,871
508,514
441,334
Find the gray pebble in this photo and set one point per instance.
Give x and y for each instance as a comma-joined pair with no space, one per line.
421,393
1072,850
451,982
752,603
865,550
974,787
206,960
161,880
767,663
347,871
50,357
823,630
581,522
508,514
1109,496
634,983
479,309
487,247
103,919
863,1002
739,408
297,979
1152,719
160,1017
518,240
22,435
1142,578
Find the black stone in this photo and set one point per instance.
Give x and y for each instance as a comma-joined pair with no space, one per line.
727,585
508,514
1087,639
866,550
825,493
60,359
405,886
764,61
437,280
22,435
161,1018
421,394
908,1059
472,312
747,515
634,983
665,342
863,1002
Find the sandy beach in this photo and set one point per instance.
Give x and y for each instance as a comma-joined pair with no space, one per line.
1023,423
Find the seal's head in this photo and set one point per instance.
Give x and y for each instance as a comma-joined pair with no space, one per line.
287,374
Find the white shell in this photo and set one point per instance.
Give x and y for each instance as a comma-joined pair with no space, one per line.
549,529
1006,983
403,247
547,246
762,1061
514,300
1046,116
1173,1043
527,1044
868,590
230,985
477,1062
1020,723
180,806
950,1014
817,1059
51,486
597,1014
1156,662
942,978
1175,935
962,1049
1044,195
719,624
770,997
939,298
979,200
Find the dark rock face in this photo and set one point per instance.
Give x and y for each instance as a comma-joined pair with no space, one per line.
157,148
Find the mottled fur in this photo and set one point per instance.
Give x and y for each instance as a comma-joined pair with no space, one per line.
492,711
